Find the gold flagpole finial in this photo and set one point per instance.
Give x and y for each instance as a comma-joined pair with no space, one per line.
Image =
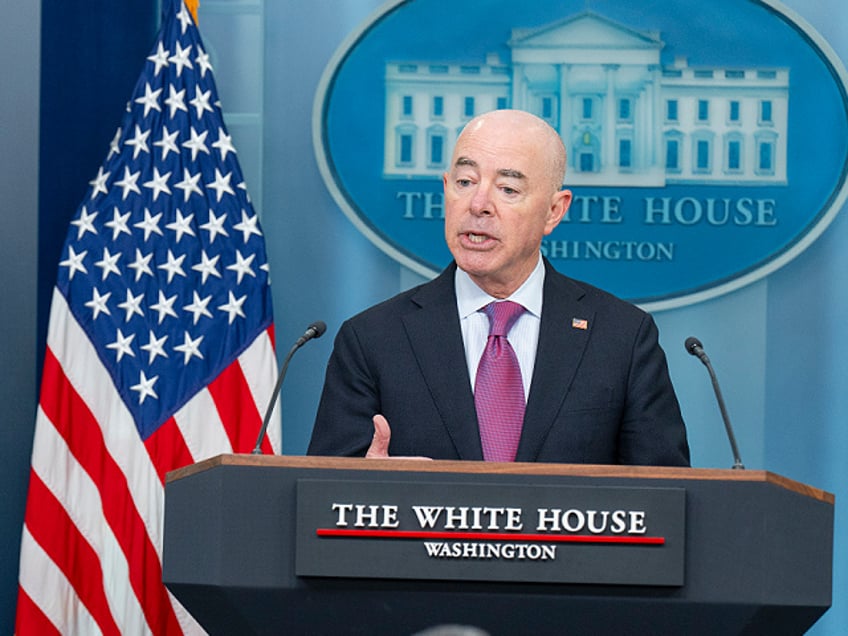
192,7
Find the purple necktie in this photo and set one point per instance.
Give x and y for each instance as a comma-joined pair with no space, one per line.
498,390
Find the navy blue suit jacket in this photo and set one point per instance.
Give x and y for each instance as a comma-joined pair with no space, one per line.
599,394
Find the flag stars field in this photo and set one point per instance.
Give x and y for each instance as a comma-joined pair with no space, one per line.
139,186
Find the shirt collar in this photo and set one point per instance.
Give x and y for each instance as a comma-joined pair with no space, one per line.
470,298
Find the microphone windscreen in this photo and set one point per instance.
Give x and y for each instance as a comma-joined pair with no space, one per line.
318,327
692,344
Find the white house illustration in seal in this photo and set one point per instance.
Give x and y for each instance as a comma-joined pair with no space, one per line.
626,119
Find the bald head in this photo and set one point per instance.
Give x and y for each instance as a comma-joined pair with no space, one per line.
503,194
524,127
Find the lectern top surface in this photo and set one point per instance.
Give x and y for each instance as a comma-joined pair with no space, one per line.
512,468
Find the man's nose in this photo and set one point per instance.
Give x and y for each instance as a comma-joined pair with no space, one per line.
481,201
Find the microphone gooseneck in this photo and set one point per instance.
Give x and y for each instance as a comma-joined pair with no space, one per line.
315,330
695,348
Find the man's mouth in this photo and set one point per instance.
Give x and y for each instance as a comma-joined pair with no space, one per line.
477,238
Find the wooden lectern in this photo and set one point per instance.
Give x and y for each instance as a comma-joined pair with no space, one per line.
258,544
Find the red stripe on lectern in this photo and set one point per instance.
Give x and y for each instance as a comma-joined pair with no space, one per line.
488,536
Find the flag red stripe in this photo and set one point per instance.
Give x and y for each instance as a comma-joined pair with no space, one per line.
30,619
237,410
63,406
167,449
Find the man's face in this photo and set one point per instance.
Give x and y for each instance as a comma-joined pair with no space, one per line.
499,202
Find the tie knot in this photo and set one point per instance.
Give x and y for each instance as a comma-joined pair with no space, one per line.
502,316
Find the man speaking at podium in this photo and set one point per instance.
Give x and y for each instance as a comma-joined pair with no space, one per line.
501,358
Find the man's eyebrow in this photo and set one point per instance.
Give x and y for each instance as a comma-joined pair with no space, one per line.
512,174
465,161
468,162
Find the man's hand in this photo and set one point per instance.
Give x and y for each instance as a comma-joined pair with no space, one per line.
379,448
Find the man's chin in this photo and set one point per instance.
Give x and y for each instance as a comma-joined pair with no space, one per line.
475,264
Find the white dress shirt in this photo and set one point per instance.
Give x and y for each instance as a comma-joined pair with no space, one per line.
524,335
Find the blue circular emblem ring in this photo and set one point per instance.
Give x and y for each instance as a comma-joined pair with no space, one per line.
702,157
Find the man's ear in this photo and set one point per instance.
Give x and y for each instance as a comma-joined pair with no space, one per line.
560,202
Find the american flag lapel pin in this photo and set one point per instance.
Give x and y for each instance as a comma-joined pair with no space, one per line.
579,323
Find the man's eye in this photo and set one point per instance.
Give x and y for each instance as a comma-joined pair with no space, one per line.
462,183
508,190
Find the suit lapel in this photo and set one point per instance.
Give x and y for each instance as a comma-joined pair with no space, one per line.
443,367
562,340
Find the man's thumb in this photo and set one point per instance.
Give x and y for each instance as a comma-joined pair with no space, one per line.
382,436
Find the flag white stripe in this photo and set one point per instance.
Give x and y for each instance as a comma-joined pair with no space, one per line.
202,429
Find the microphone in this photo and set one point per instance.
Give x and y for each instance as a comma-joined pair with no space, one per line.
315,330
695,348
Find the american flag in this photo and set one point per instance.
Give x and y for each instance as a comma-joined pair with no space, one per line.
159,352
